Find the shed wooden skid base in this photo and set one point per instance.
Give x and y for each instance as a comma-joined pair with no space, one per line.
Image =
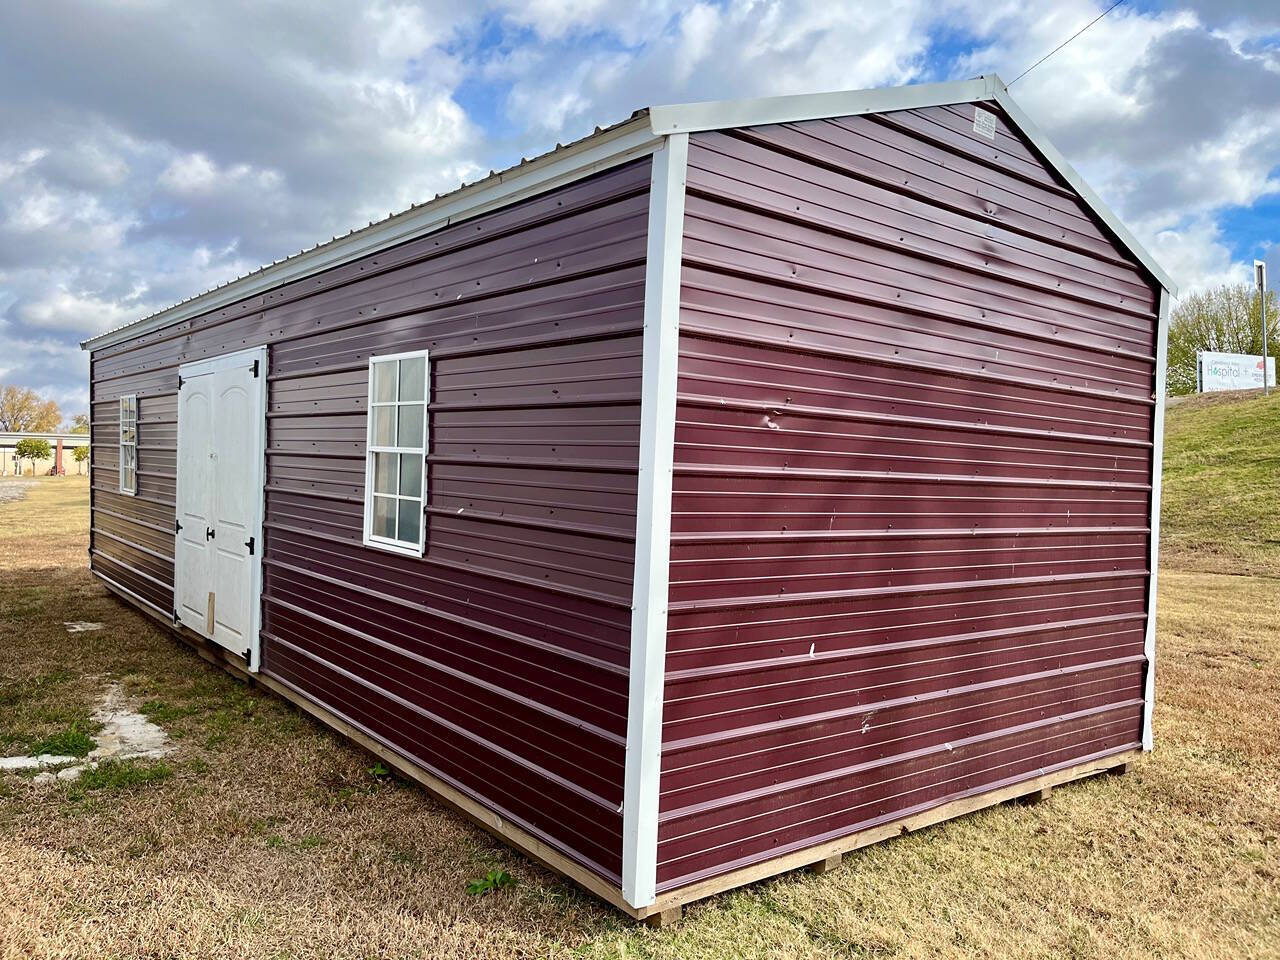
668,907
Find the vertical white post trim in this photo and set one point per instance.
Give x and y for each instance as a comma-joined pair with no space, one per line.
653,523
1157,465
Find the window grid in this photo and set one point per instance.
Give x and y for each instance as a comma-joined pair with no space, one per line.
396,452
129,444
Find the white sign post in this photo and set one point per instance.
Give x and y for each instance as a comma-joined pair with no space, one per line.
1260,276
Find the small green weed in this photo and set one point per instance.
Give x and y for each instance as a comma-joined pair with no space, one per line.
379,771
491,881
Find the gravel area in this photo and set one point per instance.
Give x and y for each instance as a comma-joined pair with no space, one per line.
14,488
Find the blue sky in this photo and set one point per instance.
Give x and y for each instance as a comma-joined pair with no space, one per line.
151,149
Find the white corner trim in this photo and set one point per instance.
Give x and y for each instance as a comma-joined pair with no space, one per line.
1157,470
593,154
1091,199
653,523
719,114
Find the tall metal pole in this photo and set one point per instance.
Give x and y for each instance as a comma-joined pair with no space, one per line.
1260,276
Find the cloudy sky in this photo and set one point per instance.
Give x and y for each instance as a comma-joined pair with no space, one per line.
152,149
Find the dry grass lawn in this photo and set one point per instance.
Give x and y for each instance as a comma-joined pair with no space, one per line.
263,835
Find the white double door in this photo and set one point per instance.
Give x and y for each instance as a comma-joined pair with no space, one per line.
221,438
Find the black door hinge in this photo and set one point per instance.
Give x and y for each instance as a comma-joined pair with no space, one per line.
255,369
210,533
175,614
180,381
177,526
249,543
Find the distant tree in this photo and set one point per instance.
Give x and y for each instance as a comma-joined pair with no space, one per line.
23,411
81,454
1226,319
80,424
33,449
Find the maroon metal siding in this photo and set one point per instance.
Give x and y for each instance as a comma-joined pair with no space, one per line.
499,661
912,483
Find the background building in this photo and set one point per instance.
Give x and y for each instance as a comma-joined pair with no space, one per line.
9,465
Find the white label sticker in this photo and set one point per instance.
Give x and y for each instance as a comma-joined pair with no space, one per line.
984,122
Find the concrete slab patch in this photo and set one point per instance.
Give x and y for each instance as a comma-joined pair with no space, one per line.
125,734
35,763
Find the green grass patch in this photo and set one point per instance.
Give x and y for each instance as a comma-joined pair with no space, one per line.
1222,484
165,714
74,742
121,775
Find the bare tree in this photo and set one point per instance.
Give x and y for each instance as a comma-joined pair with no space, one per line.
1226,319
23,411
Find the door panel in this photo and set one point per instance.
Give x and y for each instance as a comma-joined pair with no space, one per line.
221,432
194,561
236,504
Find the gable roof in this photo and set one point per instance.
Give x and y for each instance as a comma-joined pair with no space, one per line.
639,135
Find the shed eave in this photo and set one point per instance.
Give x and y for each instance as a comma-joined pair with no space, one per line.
608,148
724,114
721,114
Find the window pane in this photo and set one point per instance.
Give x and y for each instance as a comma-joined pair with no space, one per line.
410,520
410,474
384,517
411,425
384,381
413,378
384,426
384,473
128,434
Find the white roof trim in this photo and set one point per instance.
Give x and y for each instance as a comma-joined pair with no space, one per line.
718,114
633,138
714,115
603,150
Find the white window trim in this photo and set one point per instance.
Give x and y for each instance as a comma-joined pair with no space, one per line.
129,492
382,543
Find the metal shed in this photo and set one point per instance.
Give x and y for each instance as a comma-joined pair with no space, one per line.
729,489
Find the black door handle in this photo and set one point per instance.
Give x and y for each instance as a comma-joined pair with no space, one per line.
209,533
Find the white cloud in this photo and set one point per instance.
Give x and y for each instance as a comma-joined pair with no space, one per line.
1196,255
125,190
10,168
72,220
195,173
62,309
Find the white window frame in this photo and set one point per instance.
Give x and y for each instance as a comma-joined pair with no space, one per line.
131,398
370,540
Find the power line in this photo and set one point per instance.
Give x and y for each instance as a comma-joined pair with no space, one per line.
1065,42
